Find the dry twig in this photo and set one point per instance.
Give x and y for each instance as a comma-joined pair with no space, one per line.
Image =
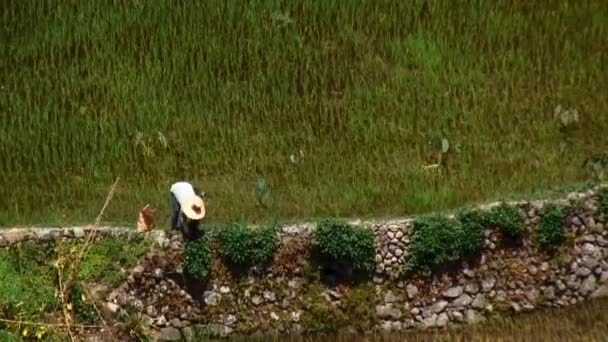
66,287
105,324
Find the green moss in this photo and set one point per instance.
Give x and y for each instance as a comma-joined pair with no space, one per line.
320,315
107,257
360,307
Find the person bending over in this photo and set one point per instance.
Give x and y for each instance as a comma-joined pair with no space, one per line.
188,209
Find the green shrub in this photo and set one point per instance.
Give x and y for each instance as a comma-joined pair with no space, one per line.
440,242
473,223
602,200
83,306
336,241
552,232
507,218
197,258
242,246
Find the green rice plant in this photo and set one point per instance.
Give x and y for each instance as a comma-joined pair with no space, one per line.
359,85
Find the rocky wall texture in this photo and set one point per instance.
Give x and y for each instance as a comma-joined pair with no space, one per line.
504,279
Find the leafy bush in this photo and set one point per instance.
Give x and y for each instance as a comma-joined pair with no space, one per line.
242,246
440,242
602,200
507,218
344,244
552,232
473,223
197,258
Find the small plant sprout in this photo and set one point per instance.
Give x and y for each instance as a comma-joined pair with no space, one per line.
441,149
262,192
149,144
597,165
567,120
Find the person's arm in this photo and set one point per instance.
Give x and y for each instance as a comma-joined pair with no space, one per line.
198,192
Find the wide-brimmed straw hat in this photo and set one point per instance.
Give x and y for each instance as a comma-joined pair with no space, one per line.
194,208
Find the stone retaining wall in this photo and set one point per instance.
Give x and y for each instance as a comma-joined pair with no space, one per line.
504,279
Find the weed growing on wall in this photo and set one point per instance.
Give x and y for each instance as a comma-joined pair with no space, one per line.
473,223
440,242
83,307
552,232
197,258
508,219
602,200
242,246
344,244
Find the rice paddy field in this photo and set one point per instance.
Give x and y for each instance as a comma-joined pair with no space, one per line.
337,105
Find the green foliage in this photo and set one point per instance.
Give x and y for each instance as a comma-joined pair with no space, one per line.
321,316
337,241
7,336
88,85
552,231
473,223
83,307
27,277
242,246
508,219
440,242
602,200
597,165
262,192
360,307
106,258
197,257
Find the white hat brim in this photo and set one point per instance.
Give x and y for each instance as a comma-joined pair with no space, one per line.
192,214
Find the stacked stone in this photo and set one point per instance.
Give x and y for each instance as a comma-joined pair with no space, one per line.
519,279
392,241
516,279
15,235
151,288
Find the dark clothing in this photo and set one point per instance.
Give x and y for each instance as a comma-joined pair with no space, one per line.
179,221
